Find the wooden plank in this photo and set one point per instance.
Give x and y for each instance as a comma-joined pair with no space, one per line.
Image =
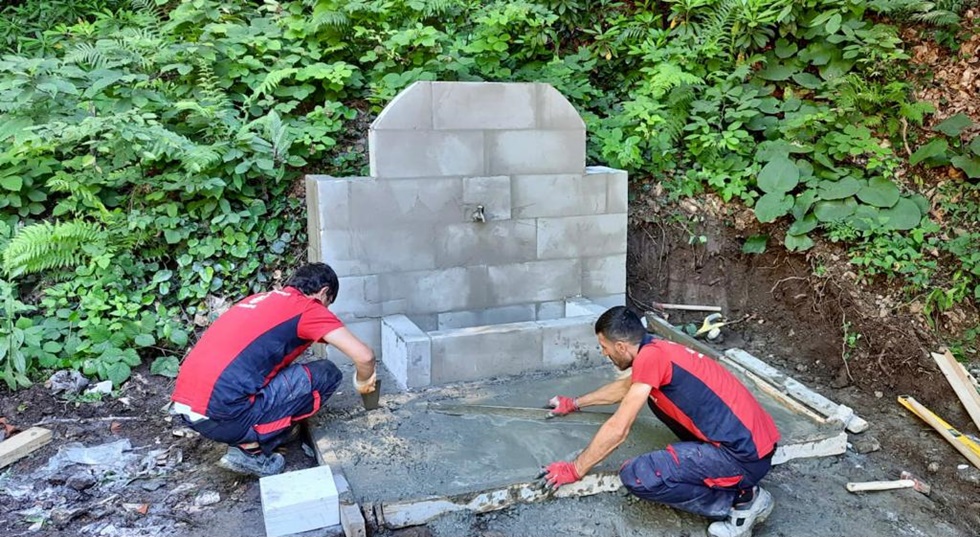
737,357
968,448
23,444
961,384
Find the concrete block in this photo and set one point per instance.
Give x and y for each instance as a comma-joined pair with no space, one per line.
554,110
483,105
581,236
577,307
493,193
406,351
504,241
299,501
397,248
409,110
397,154
604,275
617,182
330,199
568,342
359,297
545,311
609,301
536,281
536,152
487,316
367,330
427,322
436,291
559,195
485,351
376,203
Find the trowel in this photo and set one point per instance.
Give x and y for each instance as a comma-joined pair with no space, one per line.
371,400
516,412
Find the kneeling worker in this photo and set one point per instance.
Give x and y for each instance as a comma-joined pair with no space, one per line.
727,438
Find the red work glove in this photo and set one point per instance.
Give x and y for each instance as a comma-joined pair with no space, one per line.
562,405
559,473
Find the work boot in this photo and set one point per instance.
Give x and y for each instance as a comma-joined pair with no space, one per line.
252,463
742,518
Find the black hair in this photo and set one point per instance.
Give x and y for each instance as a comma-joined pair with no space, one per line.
311,278
620,324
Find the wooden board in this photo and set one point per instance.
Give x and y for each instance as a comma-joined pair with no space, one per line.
20,445
959,379
968,448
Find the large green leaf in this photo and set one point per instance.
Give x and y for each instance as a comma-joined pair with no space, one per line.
778,176
166,366
880,192
954,125
834,210
865,218
118,373
778,71
935,149
975,146
840,189
784,49
921,202
798,243
808,81
772,206
756,244
803,203
903,216
145,340
969,165
836,69
806,225
12,182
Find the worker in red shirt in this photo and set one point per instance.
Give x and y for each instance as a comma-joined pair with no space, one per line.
727,438
238,384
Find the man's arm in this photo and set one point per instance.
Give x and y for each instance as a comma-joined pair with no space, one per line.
609,394
615,430
359,353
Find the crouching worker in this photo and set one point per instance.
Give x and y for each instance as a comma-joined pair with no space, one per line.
726,438
238,385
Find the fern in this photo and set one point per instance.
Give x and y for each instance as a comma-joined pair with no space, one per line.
62,183
271,82
45,246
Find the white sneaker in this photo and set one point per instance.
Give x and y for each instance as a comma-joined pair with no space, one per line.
741,521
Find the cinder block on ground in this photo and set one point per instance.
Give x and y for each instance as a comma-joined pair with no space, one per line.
299,501
406,351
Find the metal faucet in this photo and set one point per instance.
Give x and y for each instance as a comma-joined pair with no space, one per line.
478,215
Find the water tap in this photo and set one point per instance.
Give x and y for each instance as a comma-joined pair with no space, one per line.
478,215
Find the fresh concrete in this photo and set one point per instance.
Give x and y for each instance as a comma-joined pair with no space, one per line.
479,211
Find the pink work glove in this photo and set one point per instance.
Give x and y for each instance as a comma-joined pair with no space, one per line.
562,405
559,473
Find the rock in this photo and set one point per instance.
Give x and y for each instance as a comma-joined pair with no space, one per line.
152,484
80,481
866,444
933,467
969,475
206,497
69,381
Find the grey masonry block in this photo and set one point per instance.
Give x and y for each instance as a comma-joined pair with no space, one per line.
554,110
409,110
617,196
388,203
427,322
331,196
581,236
483,105
604,275
485,351
368,331
580,306
398,248
497,242
406,351
537,281
493,193
545,311
609,301
536,152
435,291
558,195
395,154
487,316
359,297
569,342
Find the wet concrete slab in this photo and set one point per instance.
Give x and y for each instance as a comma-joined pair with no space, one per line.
443,442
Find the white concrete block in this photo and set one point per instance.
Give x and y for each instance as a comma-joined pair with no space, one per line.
397,248
494,242
485,351
367,330
604,275
554,110
487,316
554,309
397,154
389,203
617,182
536,152
537,281
409,110
568,342
483,105
359,297
577,307
581,236
332,200
299,501
558,195
493,193
609,301
406,351
436,291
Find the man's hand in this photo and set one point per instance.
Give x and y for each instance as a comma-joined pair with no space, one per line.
562,405
365,387
559,473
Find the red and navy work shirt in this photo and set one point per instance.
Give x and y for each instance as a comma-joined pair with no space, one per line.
246,347
700,396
